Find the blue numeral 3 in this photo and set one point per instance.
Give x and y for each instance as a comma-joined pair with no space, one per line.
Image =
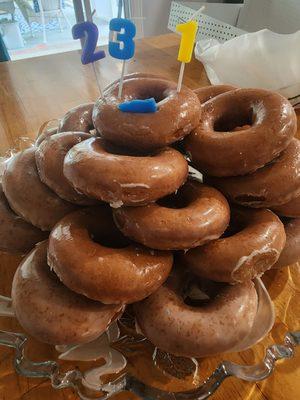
127,50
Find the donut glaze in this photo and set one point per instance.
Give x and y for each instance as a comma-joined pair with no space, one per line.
78,119
244,255
269,123
291,252
28,196
49,311
16,235
99,171
196,215
290,209
197,331
50,157
135,75
123,274
46,130
177,114
275,184
45,134
208,92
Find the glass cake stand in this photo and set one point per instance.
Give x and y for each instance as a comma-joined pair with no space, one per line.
123,360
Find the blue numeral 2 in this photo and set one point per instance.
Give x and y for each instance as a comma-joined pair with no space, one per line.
89,31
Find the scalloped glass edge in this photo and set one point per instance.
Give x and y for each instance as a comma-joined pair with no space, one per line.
74,378
78,381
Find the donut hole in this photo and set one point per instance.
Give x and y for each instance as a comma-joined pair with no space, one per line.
175,201
112,242
234,120
198,293
237,223
233,229
112,238
178,200
121,151
247,198
157,91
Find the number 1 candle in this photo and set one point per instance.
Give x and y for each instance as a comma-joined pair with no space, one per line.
188,32
126,51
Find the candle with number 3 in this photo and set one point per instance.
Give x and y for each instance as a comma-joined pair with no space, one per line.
124,30
188,35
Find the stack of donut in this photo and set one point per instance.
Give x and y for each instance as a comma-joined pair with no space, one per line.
245,147
127,224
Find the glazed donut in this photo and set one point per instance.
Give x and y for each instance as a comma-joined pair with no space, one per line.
107,269
202,330
78,119
135,75
192,217
50,157
28,196
104,172
47,129
45,135
269,122
291,252
290,209
175,118
275,184
16,235
208,92
52,313
254,246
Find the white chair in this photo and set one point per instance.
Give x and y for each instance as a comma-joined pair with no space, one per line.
49,8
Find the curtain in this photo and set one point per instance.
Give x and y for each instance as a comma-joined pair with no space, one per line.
4,56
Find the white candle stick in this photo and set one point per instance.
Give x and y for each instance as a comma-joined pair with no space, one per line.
122,79
97,79
180,78
196,13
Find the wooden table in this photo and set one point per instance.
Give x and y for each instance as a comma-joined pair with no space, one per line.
36,90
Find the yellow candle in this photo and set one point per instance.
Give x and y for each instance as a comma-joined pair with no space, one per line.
188,31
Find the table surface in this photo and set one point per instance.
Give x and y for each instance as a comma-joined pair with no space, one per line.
40,89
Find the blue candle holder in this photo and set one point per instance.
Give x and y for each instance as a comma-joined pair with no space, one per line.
139,106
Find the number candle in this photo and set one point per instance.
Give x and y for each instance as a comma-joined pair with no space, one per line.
188,31
126,51
89,31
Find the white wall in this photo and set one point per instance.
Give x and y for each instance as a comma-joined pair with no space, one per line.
156,16
281,16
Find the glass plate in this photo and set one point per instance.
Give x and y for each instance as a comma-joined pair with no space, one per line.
121,359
